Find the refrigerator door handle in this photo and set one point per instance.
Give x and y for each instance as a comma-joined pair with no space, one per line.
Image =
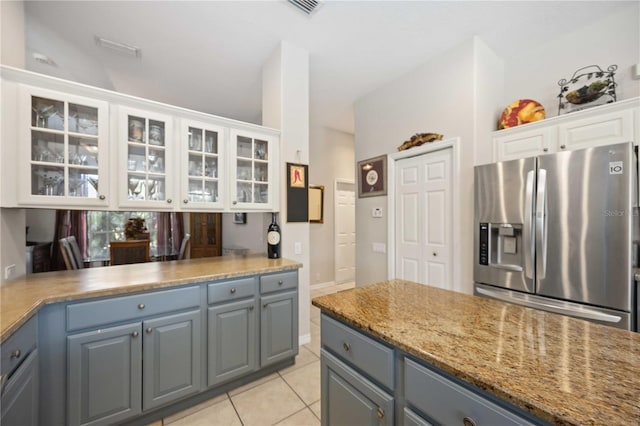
541,225
581,312
527,234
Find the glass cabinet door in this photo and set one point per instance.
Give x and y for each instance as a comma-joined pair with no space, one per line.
65,138
253,178
148,158
203,165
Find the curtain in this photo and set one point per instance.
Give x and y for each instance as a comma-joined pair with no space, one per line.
170,230
68,222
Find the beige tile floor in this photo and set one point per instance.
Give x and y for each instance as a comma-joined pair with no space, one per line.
289,397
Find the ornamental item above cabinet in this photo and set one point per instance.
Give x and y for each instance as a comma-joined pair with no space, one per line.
65,136
145,176
203,160
588,86
519,112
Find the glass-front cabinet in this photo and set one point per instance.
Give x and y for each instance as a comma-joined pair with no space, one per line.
203,169
65,149
252,171
146,159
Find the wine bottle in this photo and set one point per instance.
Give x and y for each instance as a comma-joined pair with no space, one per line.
273,238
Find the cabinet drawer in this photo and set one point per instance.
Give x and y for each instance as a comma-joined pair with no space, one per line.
446,402
231,290
277,282
105,311
17,347
363,352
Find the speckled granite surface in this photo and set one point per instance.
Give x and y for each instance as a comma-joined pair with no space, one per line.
21,298
563,370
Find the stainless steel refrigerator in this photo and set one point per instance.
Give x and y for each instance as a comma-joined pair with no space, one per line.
555,232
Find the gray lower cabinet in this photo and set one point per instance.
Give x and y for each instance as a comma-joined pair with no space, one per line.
171,358
104,375
20,395
278,327
115,373
231,340
412,419
348,398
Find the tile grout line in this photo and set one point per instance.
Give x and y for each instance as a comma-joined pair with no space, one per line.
303,401
234,407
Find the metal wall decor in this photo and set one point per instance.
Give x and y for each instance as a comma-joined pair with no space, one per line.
588,86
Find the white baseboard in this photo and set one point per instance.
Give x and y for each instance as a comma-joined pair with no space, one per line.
322,285
305,339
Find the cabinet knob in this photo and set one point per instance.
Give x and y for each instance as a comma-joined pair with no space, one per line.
380,413
234,203
16,354
233,290
141,306
169,200
134,334
265,305
468,421
545,149
251,308
149,330
346,346
102,197
280,282
3,379
435,254
563,146
186,201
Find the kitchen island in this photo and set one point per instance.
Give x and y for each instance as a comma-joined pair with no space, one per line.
543,366
131,344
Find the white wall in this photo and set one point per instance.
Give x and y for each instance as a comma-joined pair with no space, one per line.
285,106
12,33
41,223
251,235
534,73
436,97
332,157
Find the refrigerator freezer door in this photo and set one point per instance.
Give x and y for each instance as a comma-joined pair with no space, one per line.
587,227
504,225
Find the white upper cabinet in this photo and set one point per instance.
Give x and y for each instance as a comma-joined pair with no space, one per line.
252,170
203,176
145,160
602,125
62,149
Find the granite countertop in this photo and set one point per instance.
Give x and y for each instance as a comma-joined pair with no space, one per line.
562,370
21,298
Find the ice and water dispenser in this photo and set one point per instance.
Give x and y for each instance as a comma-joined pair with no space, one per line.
500,245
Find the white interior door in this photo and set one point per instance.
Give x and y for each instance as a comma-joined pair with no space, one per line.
424,212
345,232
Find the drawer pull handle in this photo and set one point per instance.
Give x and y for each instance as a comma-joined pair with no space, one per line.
134,334
16,354
546,149
280,282
141,306
251,308
233,290
346,346
102,197
468,421
149,330
380,413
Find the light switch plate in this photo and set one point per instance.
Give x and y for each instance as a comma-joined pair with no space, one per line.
297,248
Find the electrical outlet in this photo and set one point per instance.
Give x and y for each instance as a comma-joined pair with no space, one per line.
379,247
376,212
9,271
297,248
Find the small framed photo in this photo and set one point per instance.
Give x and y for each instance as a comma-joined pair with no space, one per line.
372,177
240,218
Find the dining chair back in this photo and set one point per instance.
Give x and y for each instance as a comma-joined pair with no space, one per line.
184,246
75,251
129,251
71,253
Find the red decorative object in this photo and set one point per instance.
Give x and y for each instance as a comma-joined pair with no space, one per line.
519,112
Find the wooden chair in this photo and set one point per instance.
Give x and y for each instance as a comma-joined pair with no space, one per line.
184,246
71,253
130,251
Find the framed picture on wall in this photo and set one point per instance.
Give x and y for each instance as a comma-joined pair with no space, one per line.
372,177
240,218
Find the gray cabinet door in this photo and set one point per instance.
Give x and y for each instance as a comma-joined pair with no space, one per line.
20,395
231,340
350,399
171,358
278,327
104,372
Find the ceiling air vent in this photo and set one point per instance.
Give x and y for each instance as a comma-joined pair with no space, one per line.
307,6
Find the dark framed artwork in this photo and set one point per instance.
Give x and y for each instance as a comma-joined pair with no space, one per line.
372,177
240,218
297,192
